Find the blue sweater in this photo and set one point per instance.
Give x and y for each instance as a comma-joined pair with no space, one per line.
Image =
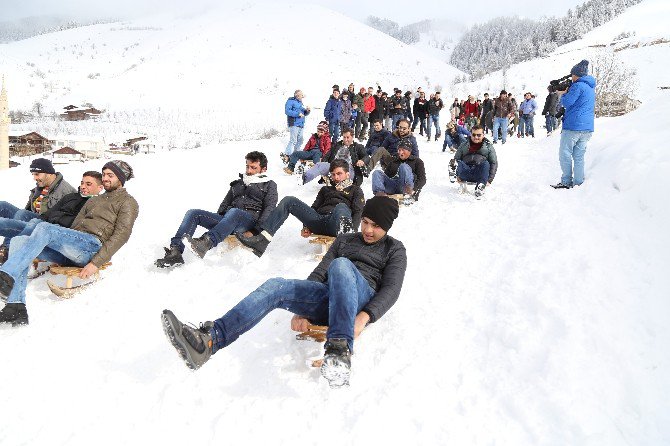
580,103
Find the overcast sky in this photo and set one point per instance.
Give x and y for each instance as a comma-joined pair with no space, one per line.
401,11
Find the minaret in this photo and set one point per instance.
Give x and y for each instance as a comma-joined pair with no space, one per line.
4,128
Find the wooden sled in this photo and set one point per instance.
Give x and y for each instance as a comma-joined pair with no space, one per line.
70,272
316,333
400,198
39,268
325,241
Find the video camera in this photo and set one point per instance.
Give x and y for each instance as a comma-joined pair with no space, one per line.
561,84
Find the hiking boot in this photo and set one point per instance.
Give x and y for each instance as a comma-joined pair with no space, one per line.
560,185
15,314
6,285
194,345
436,137
172,257
345,225
452,170
495,142
4,254
336,366
200,245
479,190
258,243
299,169
284,158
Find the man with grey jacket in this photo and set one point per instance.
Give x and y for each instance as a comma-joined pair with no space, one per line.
100,229
356,283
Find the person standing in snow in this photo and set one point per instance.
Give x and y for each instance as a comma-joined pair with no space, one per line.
249,200
434,106
331,112
526,116
579,102
295,118
355,284
487,106
419,109
502,111
345,111
550,109
100,229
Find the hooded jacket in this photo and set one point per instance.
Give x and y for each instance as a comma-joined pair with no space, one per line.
579,103
323,143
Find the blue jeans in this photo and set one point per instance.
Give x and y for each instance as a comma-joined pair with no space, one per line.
478,173
550,122
500,124
48,242
219,226
334,129
421,120
334,303
395,118
452,141
9,211
396,185
572,149
317,223
434,119
526,121
295,139
314,155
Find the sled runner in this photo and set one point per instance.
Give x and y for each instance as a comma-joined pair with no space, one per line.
70,272
324,240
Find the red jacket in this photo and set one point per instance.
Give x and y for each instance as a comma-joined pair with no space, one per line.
324,144
471,109
369,104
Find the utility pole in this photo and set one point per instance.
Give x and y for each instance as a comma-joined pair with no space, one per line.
4,128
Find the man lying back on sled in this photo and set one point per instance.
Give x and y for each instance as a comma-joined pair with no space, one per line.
357,281
100,229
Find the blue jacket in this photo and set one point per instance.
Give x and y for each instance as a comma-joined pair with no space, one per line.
293,109
528,107
332,110
377,138
580,103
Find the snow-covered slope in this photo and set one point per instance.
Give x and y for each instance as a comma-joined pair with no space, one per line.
534,316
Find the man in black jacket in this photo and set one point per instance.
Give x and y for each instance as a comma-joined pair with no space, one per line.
61,213
487,106
550,110
346,149
356,283
248,202
420,112
403,173
377,137
336,210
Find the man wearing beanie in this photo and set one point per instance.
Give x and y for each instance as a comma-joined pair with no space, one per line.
100,229
50,188
356,283
579,103
316,148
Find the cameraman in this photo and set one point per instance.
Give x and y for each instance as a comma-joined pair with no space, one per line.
579,102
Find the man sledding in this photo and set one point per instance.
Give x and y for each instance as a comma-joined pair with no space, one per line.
355,284
475,162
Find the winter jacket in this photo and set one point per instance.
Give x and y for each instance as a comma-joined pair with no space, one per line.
382,264
487,106
579,103
414,163
58,189
471,109
64,212
528,107
293,110
329,197
345,111
377,138
502,109
486,152
110,217
332,110
359,100
369,104
550,104
458,132
356,152
396,105
323,143
434,106
419,107
258,199
378,112
391,143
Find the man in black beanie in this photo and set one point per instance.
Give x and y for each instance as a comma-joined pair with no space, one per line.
356,283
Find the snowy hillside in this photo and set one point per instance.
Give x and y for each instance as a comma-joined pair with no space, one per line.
531,317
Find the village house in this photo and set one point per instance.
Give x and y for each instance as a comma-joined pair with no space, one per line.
74,113
88,146
65,155
24,144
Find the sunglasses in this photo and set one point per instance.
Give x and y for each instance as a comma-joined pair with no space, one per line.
477,135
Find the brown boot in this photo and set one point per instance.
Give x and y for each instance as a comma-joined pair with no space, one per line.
4,254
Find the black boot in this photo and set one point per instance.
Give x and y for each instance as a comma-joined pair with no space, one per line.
345,225
194,345
15,314
200,245
6,285
336,367
479,190
257,243
172,257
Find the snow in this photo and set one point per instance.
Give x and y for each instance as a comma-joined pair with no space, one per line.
533,316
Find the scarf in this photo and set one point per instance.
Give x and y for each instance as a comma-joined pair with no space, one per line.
37,204
474,147
255,178
343,184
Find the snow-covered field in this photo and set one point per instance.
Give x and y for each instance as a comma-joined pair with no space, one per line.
533,316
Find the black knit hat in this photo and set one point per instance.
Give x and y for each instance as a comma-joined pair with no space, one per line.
42,165
121,169
381,210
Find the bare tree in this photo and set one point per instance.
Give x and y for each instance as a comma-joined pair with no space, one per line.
616,85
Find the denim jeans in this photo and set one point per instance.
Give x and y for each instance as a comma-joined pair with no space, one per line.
478,173
526,121
434,119
219,226
295,139
317,223
550,122
421,120
314,155
48,242
395,118
387,123
452,141
396,185
9,211
572,149
334,303
334,129
500,124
